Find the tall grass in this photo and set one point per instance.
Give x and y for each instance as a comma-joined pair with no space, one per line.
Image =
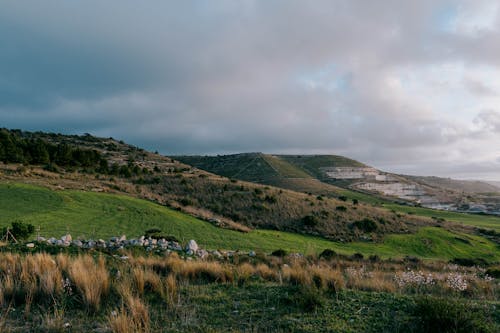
90,278
41,279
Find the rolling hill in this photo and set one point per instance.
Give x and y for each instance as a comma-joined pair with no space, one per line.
100,215
224,203
339,176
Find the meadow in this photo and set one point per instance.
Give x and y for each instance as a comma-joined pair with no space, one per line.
99,215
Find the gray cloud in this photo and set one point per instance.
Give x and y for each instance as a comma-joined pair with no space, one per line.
346,77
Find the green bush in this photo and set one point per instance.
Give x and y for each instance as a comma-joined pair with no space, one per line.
279,253
493,272
341,208
447,315
366,225
327,254
20,230
310,220
469,262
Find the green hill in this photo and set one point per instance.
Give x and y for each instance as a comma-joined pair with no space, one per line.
98,215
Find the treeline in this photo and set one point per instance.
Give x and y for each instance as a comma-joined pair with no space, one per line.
23,147
28,148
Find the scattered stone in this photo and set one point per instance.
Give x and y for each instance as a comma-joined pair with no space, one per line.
67,238
251,254
202,253
192,246
30,245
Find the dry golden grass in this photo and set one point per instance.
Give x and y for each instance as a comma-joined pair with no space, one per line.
170,290
90,278
53,321
34,279
133,316
266,273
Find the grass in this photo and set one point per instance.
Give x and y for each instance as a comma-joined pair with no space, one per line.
89,214
285,169
305,295
482,221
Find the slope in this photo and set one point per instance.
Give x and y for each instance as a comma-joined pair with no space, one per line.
99,215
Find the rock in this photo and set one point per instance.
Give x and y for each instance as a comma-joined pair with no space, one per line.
67,238
202,253
77,243
41,239
113,239
122,238
192,246
30,245
251,254
90,244
52,241
189,252
217,254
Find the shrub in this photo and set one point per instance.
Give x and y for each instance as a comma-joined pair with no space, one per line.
343,198
357,256
341,208
279,253
270,199
185,202
446,315
327,254
20,230
469,262
493,272
310,220
366,225
307,299
257,191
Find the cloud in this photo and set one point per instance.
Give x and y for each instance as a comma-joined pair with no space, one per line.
392,84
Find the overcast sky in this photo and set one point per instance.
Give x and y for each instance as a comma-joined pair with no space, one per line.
407,86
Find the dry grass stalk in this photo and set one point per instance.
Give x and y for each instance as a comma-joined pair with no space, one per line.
90,278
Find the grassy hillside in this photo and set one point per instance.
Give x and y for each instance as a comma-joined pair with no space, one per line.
88,214
249,166
313,163
481,221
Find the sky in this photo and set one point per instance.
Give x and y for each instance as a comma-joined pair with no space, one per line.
406,86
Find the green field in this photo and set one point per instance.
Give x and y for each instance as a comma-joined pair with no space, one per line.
481,221
98,215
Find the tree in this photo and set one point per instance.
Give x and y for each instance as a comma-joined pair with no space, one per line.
20,230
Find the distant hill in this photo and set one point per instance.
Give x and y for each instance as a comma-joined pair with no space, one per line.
469,186
334,175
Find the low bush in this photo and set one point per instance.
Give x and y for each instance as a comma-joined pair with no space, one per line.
327,254
447,315
310,220
469,262
279,253
366,225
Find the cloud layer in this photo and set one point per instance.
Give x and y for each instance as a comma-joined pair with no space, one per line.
411,87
